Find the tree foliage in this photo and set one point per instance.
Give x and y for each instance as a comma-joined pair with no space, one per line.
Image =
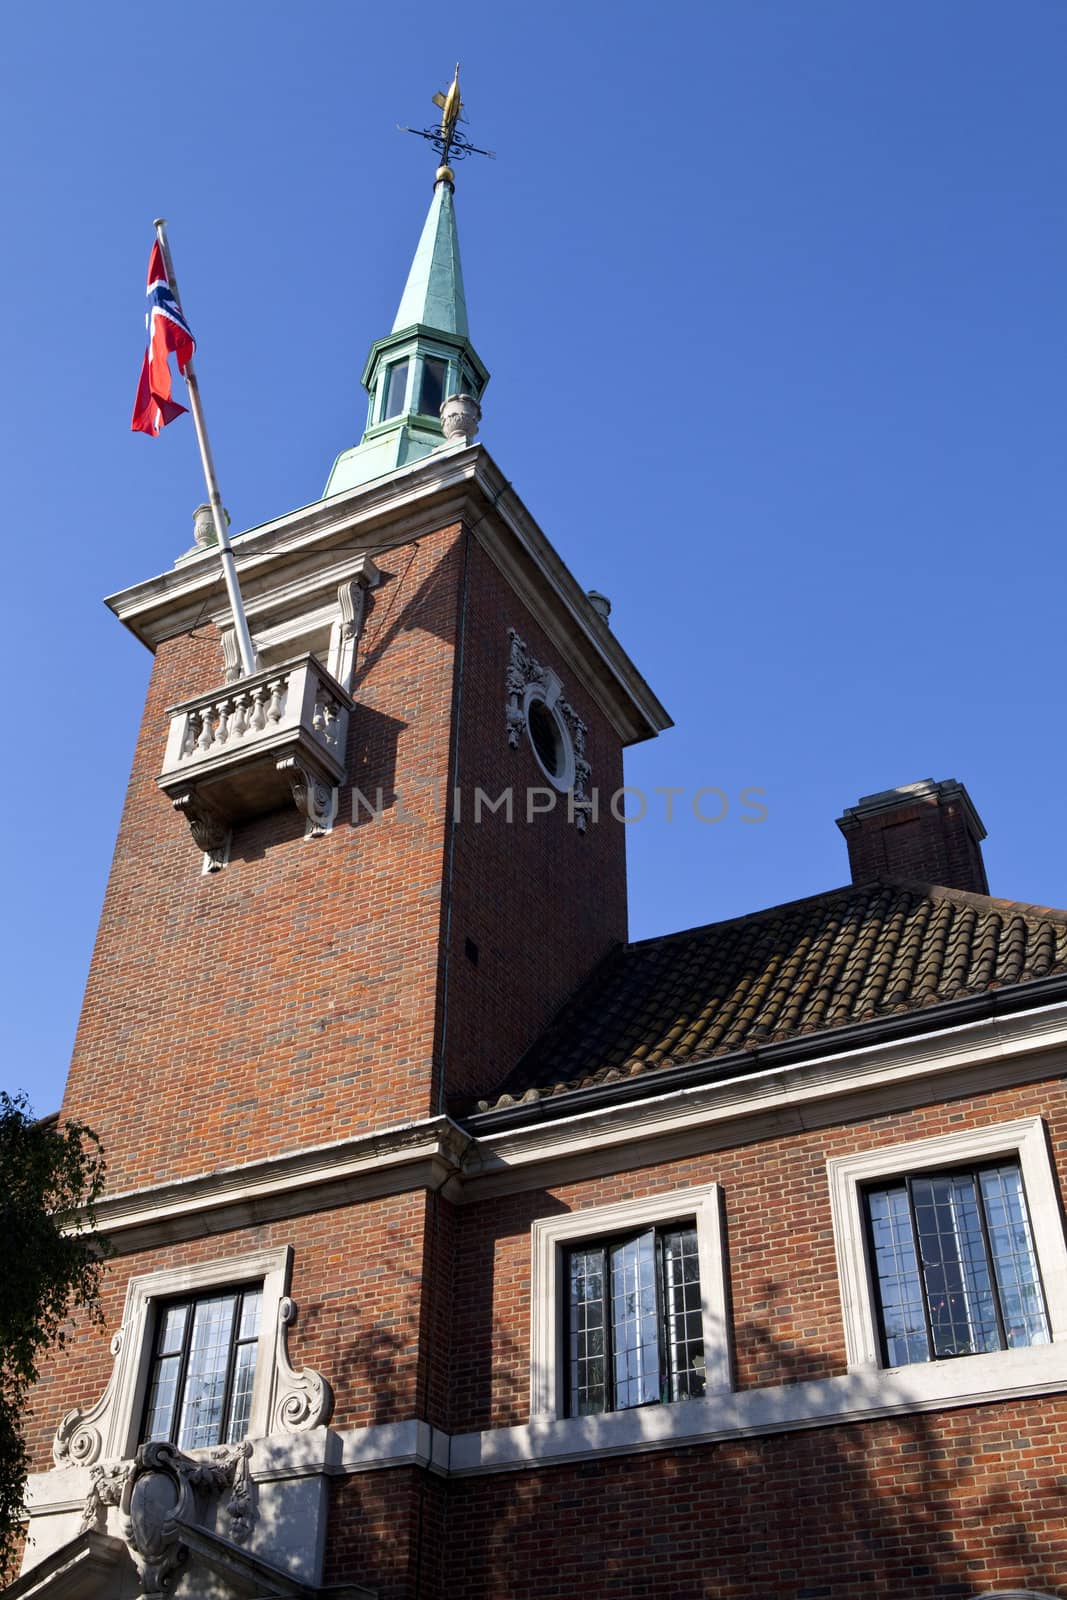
50,1177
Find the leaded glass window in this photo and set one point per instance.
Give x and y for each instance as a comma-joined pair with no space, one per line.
954,1264
635,1323
203,1365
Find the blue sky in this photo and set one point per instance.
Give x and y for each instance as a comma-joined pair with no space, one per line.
772,296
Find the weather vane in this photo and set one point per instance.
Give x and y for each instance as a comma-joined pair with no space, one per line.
450,144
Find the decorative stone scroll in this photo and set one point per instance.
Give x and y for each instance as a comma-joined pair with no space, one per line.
316,801
524,669
78,1439
346,631
304,1399
209,830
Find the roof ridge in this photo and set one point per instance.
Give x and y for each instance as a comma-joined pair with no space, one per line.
929,891
983,902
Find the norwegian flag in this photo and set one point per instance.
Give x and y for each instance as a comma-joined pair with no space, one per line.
167,331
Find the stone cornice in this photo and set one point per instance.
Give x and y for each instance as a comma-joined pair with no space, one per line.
298,558
839,1086
439,1154
421,1155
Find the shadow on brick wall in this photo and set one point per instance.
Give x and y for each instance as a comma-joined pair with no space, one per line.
942,1507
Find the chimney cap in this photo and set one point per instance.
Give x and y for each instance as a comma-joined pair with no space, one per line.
949,789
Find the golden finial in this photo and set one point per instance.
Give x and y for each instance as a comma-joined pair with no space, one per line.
447,140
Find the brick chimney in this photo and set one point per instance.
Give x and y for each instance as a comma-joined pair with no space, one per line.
926,831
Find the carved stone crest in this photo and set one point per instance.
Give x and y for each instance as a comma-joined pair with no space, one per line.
156,1494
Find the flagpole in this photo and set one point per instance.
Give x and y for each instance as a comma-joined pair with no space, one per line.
229,569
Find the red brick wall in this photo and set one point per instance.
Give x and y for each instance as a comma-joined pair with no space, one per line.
786,1309
928,1507
289,999
541,901
385,1531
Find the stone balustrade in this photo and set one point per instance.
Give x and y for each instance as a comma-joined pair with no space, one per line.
247,748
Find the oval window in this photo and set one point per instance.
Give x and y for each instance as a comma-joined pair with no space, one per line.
550,740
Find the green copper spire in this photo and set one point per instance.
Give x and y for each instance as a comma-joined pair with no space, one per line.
433,294
425,360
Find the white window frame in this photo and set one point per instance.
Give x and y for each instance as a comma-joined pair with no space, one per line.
1023,1141
120,1414
550,1238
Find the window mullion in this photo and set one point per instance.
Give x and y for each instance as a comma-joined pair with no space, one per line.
991,1266
608,1282
666,1346
921,1264
231,1362
183,1367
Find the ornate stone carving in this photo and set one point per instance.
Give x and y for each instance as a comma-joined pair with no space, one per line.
156,1494
231,657
460,416
304,1398
316,801
351,612
204,527
158,1499
209,830
523,669
105,1489
79,1438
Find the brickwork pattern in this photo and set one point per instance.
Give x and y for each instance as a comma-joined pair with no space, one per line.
288,1000
928,841
541,902
786,1305
380,1534
921,1508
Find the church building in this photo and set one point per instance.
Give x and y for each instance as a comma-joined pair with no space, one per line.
463,1249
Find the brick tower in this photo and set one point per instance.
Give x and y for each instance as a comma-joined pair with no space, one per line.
465,1249
394,828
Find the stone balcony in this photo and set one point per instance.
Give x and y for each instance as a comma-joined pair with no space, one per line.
251,747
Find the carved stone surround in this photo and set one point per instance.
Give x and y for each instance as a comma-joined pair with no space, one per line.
284,1399
158,1490
524,671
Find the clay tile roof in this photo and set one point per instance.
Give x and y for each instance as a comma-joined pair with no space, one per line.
846,957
